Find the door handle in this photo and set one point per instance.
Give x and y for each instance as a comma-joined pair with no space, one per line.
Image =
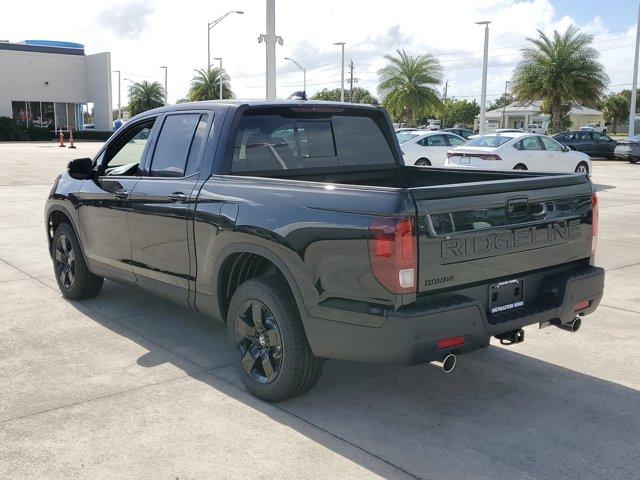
121,194
177,197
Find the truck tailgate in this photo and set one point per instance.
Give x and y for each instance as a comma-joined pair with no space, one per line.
470,233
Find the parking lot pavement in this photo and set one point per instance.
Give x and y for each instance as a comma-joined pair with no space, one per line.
128,386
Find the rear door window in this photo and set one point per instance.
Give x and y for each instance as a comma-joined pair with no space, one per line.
550,144
531,143
173,145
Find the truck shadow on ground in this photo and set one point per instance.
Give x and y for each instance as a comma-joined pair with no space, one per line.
500,414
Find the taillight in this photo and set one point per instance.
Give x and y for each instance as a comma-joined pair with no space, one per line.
393,253
490,156
595,222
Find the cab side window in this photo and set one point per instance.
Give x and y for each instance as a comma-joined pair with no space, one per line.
177,151
123,156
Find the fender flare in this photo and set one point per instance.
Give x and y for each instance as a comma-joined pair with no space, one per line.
72,221
243,247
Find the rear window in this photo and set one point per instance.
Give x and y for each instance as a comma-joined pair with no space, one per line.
404,137
278,142
492,141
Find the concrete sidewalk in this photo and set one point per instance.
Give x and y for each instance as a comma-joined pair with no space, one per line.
129,386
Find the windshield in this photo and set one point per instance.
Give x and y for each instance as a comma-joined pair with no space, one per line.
405,136
492,141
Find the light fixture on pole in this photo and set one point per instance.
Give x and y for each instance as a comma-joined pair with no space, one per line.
304,73
119,101
341,72
220,74
485,61
210,25
634,85
166,101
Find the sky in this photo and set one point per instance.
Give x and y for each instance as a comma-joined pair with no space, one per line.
142,35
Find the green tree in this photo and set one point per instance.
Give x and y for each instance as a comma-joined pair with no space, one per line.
504,100
615,108
407,85
360,95
145,96
559,70
459,112
205,85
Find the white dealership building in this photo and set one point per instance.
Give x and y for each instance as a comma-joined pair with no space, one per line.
49,83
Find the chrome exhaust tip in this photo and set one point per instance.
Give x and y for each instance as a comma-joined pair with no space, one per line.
448,363
573,326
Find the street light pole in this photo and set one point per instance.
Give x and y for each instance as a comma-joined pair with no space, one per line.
634,85
210,25
220,75
485,61
119,101
341,72
303,70
166,101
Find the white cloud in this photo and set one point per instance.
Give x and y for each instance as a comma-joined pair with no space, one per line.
143,36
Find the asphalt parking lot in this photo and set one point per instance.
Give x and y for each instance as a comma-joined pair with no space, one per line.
129,386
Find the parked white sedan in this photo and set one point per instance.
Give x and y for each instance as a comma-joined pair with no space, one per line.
425,148
518,151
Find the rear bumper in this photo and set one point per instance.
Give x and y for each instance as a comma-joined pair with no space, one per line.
410,336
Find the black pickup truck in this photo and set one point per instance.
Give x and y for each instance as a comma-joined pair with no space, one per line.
298,225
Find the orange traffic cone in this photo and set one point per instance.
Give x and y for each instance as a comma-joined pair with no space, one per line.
61,136
71,138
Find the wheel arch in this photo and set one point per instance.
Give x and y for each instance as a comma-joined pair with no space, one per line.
56,215
240,262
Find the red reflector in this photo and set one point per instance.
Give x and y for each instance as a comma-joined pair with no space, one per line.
581,305
450,342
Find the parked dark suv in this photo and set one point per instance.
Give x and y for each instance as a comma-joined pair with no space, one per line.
594,144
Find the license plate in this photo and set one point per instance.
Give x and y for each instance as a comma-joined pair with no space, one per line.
465,160
506,295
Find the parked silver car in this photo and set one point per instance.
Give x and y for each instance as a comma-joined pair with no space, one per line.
628,149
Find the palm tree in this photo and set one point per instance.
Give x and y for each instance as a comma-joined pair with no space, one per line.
615,108
559,71
205,85
407,85
145,96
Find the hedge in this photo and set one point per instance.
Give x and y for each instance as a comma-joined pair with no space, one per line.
10,130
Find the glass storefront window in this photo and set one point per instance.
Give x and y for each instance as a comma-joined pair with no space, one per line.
48,118
61,115
35,115
20,112
71,115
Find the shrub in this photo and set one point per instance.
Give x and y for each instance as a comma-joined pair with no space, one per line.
90,135
38,133
10,130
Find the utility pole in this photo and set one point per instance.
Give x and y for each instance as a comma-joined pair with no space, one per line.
504,105
351,81
119,102
634,86
485,61
341,72
220,74
444,103
166,101
270,39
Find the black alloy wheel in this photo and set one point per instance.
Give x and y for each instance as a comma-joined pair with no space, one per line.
65,262
258,341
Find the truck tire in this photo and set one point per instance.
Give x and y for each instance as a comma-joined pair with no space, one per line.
423,162
74,279
268,344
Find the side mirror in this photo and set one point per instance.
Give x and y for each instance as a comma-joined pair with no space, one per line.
80,168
